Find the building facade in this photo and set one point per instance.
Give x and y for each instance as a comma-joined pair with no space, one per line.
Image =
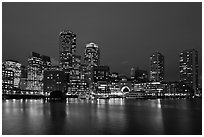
67,47
35,72
74,84
15,66
100,76
188,66
54,80
7,80
156,67
91,59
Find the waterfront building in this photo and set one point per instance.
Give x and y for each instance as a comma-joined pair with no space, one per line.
15,66
7,80
162,89
149,88
100,76
54,80
176,89
141,76
35,72
188,66
157,67
91,59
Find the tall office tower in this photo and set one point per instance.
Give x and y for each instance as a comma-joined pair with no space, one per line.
35,74
157,67
74,77
132,73
67,49
189,68
15,66
91,59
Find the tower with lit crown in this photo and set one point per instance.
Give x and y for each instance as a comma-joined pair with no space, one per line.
91,59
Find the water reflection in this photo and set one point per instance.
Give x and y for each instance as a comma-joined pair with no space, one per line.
113,116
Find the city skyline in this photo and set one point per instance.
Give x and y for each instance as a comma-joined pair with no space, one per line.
129,56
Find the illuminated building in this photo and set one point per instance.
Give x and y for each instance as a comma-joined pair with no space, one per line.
176,89
157,67
68,59
54,80
92,55
67,48
84,82
141,76
35,74
15,66
91,59
7,80
149,88
100,76
114,83
75,76
37,64
189,68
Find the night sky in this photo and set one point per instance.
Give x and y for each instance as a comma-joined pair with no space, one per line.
127,33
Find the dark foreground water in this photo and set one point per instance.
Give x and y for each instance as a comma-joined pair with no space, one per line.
114,116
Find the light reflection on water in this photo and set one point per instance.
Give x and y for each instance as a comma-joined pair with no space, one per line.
113,116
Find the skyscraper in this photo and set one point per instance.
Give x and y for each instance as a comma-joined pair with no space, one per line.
35,74
188,65
74,77
157,67
67,49
91,59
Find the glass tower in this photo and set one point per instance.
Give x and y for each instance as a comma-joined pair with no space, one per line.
157,67
188,66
